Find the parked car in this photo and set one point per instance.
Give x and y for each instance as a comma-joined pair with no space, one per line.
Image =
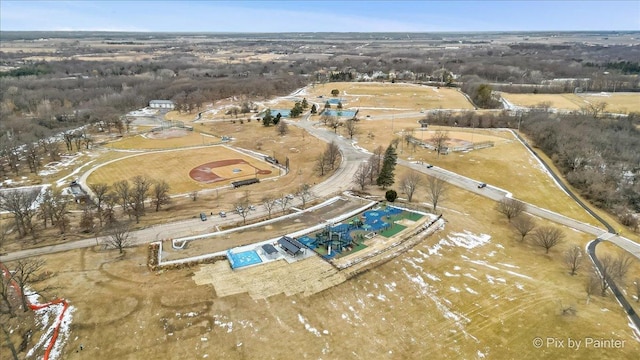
429,166
222,214
251,207
290,196
203,216
482,185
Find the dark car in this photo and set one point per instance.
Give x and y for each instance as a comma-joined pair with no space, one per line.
482,185
203,216
429,166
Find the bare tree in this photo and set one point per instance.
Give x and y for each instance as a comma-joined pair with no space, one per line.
24,273
524,225
269,203
304,194
332,153
573,259
141,187
439,139
595,109
86,220
282,128
100,191
3,235
118,235
242,207
334,123
20,204
123,191
547,237
361,176
511,208
284,203
351,128
194,195
592,284
6,290
436,190
375,164
409,183
160,193
32,156
321,164
60,210
109,214
8,341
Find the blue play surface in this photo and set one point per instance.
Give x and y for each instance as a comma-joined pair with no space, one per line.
347,113
244,258
372,222
335,101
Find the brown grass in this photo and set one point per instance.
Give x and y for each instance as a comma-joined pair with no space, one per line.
623,103
507,165
192,138
616,102
125,311
388,95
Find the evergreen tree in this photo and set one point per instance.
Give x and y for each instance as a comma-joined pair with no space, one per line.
305,104
267,119
314,109
327,105
276,120
296,110
339,104
386,177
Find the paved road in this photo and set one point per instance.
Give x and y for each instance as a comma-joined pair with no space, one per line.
341,180
633,316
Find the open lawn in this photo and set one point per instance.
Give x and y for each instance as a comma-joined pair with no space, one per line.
368,96
622,103
486,296
156,141
507,165
558,101
616,102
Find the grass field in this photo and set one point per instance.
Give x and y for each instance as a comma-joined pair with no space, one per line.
507,165
387,95
436,300
622,103
616,102
190,138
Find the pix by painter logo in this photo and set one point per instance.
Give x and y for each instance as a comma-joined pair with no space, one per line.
576,344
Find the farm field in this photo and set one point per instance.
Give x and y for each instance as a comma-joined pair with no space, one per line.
467,290
616,102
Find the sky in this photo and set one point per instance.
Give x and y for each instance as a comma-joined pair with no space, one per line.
319,16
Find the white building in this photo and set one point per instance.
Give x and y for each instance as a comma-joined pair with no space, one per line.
162,104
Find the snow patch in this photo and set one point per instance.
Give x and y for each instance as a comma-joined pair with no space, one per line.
307,326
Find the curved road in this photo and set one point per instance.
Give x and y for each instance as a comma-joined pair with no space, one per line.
341,180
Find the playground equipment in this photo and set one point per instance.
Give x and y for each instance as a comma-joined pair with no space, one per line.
335,239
